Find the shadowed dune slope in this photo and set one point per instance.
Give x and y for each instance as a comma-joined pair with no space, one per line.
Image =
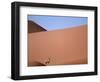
33,27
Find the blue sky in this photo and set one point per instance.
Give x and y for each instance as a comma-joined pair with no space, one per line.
57,22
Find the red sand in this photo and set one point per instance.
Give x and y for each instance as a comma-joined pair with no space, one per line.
63,47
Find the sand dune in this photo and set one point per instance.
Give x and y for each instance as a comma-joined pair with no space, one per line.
33,27
59,47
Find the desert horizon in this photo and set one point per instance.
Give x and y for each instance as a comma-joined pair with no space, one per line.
66,46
